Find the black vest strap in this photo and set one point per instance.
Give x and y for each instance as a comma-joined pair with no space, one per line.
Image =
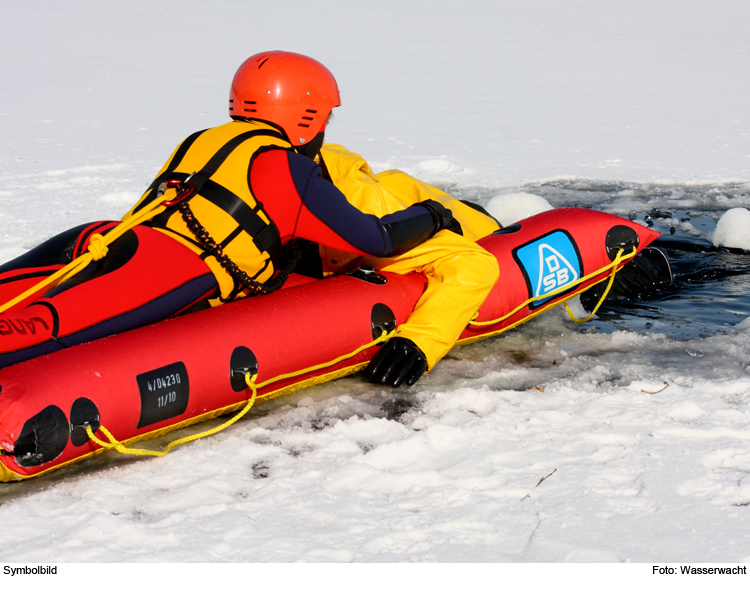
200,177
265,235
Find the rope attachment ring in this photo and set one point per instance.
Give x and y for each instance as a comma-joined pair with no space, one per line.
183,188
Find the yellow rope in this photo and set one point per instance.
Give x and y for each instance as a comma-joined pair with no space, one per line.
601,300
384,336
613,265
98,246
114,444
250,381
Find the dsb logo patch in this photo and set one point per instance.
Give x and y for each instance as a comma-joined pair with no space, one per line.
549,263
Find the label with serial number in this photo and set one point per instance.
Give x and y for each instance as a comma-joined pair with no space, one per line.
164,393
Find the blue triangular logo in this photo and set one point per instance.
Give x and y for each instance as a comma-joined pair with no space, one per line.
555,271
549,263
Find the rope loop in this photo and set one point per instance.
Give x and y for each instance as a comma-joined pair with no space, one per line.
115,444
98,247
573,317
250,379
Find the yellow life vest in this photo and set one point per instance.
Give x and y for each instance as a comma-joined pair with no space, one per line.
223,202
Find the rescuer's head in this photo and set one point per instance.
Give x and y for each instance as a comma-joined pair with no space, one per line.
289,90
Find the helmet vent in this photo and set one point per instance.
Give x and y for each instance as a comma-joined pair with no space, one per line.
307,119
249,110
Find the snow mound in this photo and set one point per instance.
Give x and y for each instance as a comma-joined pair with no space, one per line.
438,166
513,207
731,230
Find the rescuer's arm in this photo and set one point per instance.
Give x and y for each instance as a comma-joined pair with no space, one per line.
326,217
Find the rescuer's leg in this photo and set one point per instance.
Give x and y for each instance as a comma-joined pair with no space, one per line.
145,277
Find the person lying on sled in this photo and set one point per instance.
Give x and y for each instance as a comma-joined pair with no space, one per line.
460,273
248,188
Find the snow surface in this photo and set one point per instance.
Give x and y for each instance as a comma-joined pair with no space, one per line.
547,445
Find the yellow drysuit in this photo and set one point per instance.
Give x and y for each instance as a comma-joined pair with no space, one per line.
460,274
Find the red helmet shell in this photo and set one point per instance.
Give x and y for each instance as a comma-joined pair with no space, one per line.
287,89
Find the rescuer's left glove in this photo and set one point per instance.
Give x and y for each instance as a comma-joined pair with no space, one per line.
398,361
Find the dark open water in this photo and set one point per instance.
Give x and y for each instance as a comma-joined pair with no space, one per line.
711,289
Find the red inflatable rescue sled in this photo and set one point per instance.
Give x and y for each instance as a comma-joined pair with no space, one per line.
148,381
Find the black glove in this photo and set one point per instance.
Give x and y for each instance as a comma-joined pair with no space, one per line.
442,217
398,361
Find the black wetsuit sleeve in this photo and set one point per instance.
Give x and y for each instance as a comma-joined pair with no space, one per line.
382,237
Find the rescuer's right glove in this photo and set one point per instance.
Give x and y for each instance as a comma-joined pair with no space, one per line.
398,361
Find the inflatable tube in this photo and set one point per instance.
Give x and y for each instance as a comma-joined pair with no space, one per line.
180,371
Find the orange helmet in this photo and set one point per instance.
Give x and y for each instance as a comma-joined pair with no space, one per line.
290,90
